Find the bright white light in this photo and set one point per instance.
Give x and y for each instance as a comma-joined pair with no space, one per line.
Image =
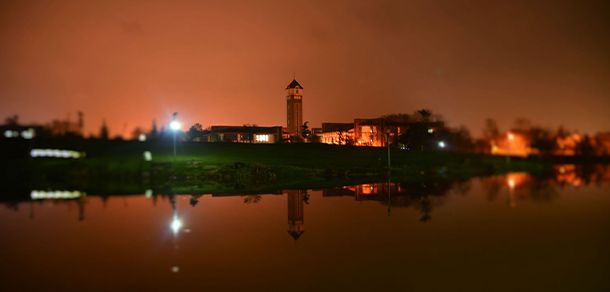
441,144
48,152
56,153
174,125
66,154
262,138
148,193
34,152
147,156
430,130
142,138
75,154
8,134
176,224
55,194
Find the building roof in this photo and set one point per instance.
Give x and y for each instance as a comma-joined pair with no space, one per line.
336,127
243,130
294,84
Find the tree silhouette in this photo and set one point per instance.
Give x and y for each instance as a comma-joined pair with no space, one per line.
104,131
153,132
12,121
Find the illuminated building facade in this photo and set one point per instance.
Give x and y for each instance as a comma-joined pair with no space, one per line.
370,132
243,134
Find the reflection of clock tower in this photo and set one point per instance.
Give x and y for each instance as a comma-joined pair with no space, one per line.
295,213
294,93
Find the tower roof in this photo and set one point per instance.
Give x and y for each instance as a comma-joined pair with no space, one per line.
294,84
295,235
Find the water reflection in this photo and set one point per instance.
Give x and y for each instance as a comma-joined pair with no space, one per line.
348,231
421,196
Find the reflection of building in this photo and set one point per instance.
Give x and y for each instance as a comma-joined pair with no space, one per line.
295,213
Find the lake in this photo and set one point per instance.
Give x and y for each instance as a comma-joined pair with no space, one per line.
501,233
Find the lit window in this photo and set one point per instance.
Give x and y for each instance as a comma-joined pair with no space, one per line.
262,138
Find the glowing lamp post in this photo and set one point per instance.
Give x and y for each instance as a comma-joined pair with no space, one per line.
388,141
175,126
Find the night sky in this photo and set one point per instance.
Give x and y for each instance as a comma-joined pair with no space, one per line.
228,62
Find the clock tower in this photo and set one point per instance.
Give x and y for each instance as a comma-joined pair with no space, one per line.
294,101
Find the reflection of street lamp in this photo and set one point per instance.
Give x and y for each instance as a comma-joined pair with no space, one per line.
510,138
511,189
174,125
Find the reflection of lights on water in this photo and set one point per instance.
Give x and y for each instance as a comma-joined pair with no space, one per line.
147,156
36,195
56,153
176,224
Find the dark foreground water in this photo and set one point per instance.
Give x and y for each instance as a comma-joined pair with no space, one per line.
503,233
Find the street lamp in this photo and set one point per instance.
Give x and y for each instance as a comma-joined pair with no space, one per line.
174,125
388,142
510,138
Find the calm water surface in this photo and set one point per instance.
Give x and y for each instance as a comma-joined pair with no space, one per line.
502,233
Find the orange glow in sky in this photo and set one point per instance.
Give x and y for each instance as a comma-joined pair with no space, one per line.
228,62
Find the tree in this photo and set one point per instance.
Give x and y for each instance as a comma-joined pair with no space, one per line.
585,147
523,125
305,132
423,115
153,132
314,138
135,134
541,139
104,131
461,139
12,121
400,117
194,131
491,132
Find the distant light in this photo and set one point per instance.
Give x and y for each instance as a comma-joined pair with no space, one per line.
511,183
142,138
56,153
441,144
55,194
511,136
430,130
175,269
8,134
148,193
176,224
34,152
174,125
147,156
